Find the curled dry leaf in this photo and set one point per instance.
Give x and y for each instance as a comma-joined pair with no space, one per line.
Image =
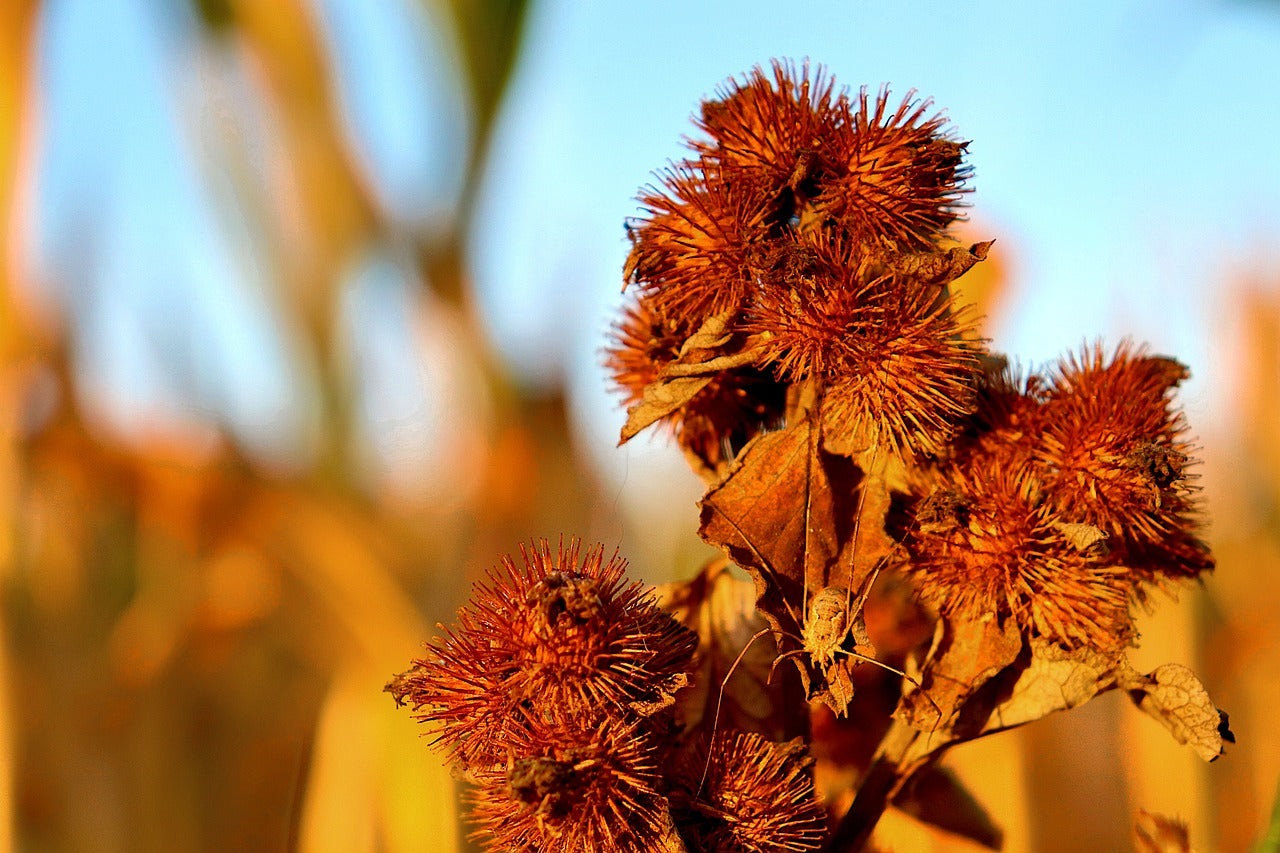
1042,678
1056,680
775,515
661,399
1173,695
1083,537
796,518
1053,679
701,357
943,265
966,654
663,695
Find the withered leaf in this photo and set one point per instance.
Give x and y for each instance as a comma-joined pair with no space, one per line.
1038,679
720,608
1054,679
942,266
1174,696
663,695
712,334
966,654
700,359
1046,677
660,399
868,546
787,511
839,691
1083,537
775,516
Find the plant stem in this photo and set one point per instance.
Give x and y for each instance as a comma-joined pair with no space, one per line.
889,770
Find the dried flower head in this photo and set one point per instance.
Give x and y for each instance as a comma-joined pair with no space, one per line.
807,230
577,789
1114,450
776,135
1064,499
788,155
560,637
1007,413
693,252
908,377
758,796
899,361
985,542
878,173
901,175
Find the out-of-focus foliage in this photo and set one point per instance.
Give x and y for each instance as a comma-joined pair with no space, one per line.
195,638
195,643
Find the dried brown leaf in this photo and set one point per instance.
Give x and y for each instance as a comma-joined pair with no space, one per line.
660,399
940,266
966,654
1174,696
720,608
701,358
774,515
1044,677
839,691
787,512
663,695
1054,679
1083,537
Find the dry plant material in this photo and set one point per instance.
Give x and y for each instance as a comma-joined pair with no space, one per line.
756,796
553,694
897,494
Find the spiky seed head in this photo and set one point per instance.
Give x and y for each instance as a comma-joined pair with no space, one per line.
573,789
560,636
758,796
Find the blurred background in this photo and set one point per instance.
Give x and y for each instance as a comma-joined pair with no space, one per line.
301,305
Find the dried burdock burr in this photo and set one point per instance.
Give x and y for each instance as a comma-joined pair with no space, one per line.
806,228
757,796
775,135
985,543
902,174
884,174
1116,455
696,247
573,789
559,637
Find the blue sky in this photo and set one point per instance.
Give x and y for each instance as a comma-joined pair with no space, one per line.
1123,155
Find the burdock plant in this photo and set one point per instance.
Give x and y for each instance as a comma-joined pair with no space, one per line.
872,466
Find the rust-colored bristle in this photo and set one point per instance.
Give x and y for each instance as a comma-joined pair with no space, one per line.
999,550
757,797
693,250
563,635
1114,449
901,176
579,789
